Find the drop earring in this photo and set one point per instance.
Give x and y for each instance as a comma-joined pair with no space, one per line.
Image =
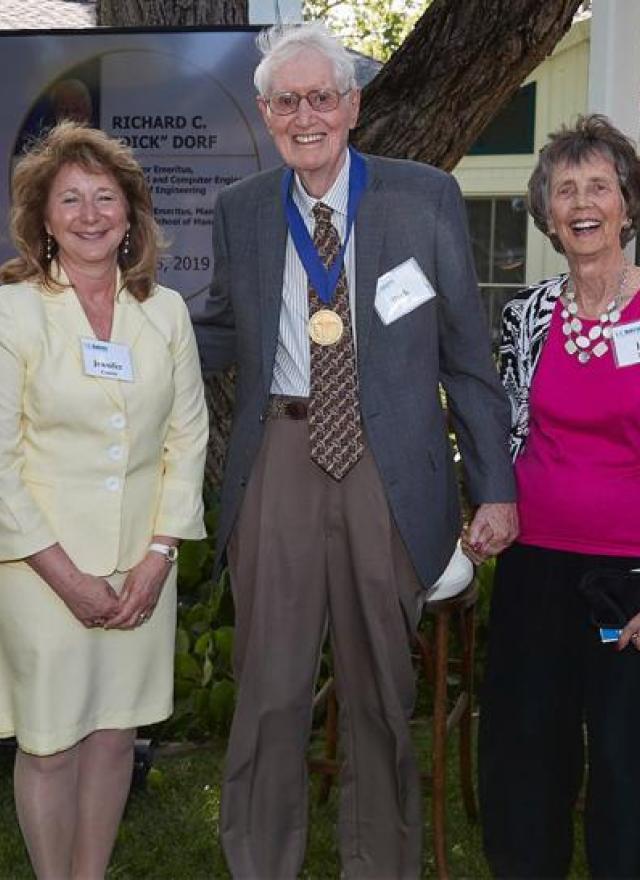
126,244
49,246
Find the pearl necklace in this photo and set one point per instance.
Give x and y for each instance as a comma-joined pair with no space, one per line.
595,341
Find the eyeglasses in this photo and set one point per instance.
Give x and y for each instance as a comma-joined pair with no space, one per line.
287,103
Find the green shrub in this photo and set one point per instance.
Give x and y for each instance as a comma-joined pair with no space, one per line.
204,687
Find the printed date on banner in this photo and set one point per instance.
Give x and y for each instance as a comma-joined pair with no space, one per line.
183,263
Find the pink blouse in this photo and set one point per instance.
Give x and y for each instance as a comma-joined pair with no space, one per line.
578,476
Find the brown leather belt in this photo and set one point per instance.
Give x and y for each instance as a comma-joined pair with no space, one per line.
281,407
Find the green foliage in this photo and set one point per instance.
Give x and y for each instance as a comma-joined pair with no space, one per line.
373,27
484,575
204,688
170,829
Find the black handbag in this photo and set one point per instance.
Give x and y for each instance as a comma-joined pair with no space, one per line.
613,596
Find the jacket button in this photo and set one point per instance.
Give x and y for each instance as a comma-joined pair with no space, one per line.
117,421
112,484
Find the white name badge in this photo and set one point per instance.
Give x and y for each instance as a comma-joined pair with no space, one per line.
626,344
107,360
401,290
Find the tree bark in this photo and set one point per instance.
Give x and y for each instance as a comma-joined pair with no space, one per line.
170,13
454,72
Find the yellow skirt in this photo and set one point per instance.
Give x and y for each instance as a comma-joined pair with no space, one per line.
60,681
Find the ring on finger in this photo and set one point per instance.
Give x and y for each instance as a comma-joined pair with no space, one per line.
142,617
635,636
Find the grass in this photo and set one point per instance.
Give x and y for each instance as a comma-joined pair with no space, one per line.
170,829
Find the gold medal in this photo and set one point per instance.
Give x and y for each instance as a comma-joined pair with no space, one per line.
325,327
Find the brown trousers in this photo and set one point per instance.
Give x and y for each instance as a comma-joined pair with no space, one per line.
308,550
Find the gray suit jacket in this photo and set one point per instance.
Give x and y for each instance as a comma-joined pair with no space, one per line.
408,210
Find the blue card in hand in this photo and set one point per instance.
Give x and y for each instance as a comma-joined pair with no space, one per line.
607,634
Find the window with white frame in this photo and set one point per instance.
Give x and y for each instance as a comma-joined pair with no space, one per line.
498,229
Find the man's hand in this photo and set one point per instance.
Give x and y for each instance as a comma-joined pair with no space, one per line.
493,528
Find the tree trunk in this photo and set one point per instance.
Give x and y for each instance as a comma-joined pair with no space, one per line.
170,13
458,67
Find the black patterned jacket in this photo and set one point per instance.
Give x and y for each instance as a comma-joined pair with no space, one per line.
525,326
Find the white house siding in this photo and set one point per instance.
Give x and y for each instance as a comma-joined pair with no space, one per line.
561,94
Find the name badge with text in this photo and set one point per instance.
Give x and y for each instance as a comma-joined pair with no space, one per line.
107,360
626,344
401,290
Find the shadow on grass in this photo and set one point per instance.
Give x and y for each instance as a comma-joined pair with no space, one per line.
170,829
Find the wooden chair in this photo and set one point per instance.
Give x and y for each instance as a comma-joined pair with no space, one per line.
449,711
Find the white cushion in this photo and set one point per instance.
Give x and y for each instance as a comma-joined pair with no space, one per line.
455,578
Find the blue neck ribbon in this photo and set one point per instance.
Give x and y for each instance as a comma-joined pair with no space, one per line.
323,280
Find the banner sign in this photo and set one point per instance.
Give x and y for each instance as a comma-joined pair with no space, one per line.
183,100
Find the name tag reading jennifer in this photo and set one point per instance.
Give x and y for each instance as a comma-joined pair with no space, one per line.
626,344
107,360
401,290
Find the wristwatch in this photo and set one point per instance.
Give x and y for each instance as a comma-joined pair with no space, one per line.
169,552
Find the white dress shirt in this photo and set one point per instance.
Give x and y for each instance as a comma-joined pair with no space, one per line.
292,364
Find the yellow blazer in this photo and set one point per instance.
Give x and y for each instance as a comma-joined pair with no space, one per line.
99,465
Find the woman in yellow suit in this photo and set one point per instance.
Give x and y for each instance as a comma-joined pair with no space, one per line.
103,432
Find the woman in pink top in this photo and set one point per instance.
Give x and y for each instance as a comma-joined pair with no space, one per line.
570,361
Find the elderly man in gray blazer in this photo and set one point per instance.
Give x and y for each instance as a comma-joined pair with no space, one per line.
344,291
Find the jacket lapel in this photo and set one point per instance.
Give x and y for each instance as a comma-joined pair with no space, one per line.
369,230
67,315
272,243
536,328
128,319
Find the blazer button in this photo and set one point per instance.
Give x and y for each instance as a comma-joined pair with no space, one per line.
112,484
115,452
243,482
117,421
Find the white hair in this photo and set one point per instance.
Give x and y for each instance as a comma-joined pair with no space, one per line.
281,42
